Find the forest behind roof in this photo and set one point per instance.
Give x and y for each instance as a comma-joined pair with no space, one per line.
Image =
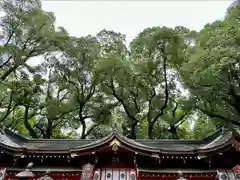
169,83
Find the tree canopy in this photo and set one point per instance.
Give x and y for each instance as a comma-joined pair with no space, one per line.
172,83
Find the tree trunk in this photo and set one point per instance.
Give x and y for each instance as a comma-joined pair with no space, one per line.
49,129
150,130
84,127
27,125
173,131
133,132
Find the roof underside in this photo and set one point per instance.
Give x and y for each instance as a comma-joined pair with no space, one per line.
10,140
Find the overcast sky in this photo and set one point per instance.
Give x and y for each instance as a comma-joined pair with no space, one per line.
81,18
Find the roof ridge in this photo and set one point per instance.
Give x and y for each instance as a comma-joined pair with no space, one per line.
214,135
42,139
15,135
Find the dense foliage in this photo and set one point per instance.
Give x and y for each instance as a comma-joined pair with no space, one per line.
168,83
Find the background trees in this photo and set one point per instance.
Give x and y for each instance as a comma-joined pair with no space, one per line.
167,83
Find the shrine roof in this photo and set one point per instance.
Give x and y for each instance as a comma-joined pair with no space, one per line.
166,170
44,169
13,142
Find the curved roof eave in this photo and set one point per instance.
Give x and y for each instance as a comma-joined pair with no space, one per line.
94,144
220,139
122,139
11,141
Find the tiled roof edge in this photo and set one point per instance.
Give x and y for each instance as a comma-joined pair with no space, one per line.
176,170
216,134
15,136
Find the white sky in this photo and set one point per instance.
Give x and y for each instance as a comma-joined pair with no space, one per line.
81,18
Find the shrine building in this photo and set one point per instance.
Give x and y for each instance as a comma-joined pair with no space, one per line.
116,157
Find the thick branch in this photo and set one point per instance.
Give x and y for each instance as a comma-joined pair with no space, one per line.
181,120
74,85
13,68
40,129
9,109
122,102
49,129
7,42
174,110
165,90
213,115
82,120
91,129
27,124
149,105
103,112
135,95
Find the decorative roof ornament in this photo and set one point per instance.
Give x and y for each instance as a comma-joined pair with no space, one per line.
74,155
155,156
201,156
115,144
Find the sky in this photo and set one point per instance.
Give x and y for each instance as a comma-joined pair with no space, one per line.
81,18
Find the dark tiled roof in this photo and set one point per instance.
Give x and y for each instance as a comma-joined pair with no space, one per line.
218,138
44,169
14,141
54,144
175,171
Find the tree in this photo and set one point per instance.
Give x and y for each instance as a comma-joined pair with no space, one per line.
154,52
203,127
77,75
117,78
177,114
88,84
211,70
26,31
25,94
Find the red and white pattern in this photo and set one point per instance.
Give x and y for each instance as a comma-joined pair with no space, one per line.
115,174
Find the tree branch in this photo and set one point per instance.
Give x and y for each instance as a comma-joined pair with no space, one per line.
13,68
166,91
121,101
174,110
213,115
40,129
27,124
9,110
181,120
